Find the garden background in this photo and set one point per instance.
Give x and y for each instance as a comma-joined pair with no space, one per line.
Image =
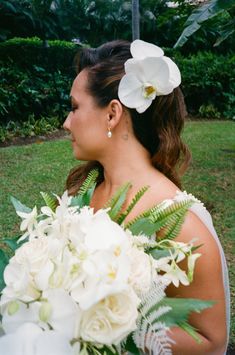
38,42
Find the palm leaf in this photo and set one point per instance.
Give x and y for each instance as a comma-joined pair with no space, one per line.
226,31
50,201
200,15
117,200
134,201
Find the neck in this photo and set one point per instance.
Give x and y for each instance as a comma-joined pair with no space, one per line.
127,161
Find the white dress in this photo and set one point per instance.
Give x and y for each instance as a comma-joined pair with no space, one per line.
202,213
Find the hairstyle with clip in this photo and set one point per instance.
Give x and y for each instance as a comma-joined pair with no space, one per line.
158,128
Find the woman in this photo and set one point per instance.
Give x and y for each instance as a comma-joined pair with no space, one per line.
126,119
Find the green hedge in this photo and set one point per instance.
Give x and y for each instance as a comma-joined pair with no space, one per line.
35,80
27,52
208,83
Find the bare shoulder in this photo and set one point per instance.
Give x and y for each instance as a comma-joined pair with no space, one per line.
160,189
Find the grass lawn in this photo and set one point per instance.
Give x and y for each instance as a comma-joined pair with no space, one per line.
27,170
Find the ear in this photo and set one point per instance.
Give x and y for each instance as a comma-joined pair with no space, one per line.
115,112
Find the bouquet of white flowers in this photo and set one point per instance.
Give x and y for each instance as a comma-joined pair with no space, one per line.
87,283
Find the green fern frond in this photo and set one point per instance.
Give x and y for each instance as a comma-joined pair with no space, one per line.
156,218
117,200
173,228
89,182
134,201
50,201
85,193
178,208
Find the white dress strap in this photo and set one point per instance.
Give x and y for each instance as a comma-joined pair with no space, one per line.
201,212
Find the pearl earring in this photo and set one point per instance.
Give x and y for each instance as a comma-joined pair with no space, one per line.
109,133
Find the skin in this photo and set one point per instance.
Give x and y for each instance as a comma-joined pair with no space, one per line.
125,159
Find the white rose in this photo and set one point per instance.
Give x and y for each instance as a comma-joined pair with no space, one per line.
112,319
141,270
36,253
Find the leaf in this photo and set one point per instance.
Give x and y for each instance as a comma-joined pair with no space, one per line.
19,206
200,15
151,221
85,193
4,259
149,322
131,347
227,31
50,201
13,243
117,200
89,181
134,201
180,311
157,254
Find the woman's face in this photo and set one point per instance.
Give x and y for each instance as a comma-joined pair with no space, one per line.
87,122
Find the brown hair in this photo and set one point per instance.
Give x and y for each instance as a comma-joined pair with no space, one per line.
158,128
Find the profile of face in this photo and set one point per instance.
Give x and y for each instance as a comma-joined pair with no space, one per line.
87,122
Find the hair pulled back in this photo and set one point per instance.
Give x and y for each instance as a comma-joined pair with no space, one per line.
158,128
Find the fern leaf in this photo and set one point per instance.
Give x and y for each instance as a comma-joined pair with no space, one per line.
89,182
156,218
117,200
150,333
159,343
86,191
134,201
50,201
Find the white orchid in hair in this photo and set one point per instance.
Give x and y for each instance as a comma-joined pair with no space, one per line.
148,74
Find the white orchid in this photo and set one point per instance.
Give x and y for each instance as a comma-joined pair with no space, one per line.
148,74
30,339
81,276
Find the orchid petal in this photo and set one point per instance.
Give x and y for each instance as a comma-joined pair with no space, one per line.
130,91
175,76
141,49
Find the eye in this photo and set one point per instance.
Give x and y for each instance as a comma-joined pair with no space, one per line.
74,108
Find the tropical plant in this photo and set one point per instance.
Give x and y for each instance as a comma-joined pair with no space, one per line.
207,11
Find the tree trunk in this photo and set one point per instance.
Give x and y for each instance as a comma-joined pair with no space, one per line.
135,20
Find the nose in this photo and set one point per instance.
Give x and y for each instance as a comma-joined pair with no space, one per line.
66,124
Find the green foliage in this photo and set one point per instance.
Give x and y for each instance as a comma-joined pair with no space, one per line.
209,111
156,218
51,201
83,198
20,206
204,13
180,311
117,201
134,201
31,127
31,53
208,84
